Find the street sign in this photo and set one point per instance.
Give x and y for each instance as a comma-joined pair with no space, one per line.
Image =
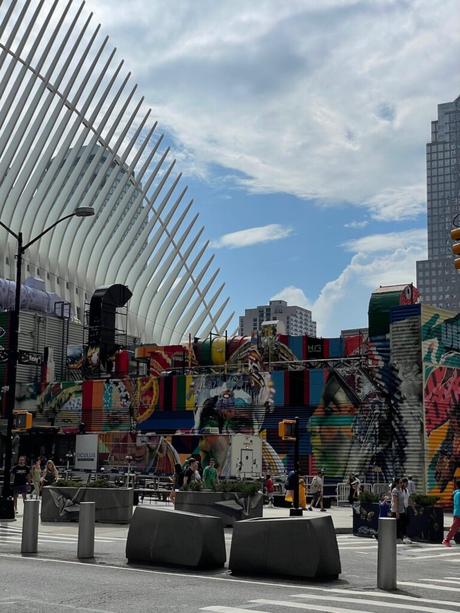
30,358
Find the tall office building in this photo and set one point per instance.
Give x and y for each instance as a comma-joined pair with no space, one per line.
437,279
295,320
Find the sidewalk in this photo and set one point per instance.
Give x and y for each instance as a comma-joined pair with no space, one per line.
341,517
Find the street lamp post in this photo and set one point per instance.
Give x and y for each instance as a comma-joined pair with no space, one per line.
6,502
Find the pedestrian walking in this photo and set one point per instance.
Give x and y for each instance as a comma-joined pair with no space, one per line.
191,472
406,495
210,477
35,475
316,489
269,489
21,481
354,483
384,506
290,486
178,481
50,474
456,523
412,488
398,510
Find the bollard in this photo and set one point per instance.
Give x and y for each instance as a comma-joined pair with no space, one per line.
86,530
386,557
29,542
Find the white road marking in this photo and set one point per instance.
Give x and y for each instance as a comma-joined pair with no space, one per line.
379,594
359,548
92,565
310,606
376,603
49,539
429,586
436,555
454,581
219,609
17,601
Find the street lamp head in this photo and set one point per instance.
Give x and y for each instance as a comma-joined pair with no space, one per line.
84,211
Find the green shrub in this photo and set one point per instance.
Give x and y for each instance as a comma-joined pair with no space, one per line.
241,487
422,500
99,483
368,497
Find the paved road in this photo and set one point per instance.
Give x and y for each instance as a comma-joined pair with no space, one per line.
55,580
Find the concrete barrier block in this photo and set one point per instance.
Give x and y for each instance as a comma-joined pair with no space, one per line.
297,547
167,537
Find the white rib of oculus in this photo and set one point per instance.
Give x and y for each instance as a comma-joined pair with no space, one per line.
73,133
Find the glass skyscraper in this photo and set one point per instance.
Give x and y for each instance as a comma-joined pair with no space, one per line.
437,279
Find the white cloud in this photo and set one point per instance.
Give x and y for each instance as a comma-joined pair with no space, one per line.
356,224
386,242
252,236
378,260
330,100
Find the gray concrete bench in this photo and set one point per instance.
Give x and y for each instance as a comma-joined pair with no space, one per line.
167,537
296,546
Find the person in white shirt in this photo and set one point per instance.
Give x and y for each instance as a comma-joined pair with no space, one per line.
412,488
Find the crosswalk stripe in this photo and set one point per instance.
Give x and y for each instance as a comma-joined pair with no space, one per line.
58,534
219,609
437,555
375,603
309,607
49,539
357,548
375,594
454,581
429,586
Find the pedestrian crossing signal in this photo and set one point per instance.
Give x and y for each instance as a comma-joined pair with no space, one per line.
22,420
286,430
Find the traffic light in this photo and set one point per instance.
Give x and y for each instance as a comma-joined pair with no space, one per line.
286,430
22,420
455,236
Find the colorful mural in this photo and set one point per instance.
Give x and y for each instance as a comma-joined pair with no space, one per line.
61,404
441,381
391,406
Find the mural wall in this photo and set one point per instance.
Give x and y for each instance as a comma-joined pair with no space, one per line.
380,406
441,386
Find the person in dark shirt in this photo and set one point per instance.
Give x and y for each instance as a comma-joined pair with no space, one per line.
191,472
21,481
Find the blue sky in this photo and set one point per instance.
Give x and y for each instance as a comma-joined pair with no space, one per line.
300,128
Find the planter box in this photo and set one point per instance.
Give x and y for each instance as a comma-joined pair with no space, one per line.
113,505
425,524
366,519
229,506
